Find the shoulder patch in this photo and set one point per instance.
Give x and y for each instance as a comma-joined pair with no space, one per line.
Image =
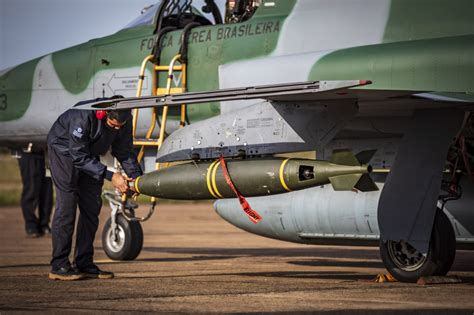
78,132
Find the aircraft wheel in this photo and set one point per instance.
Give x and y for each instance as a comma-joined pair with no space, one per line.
407,264
448,248
128,241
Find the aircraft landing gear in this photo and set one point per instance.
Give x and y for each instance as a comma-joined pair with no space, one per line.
125,241
122,235
407,264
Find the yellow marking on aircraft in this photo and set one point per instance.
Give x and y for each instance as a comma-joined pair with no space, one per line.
136,184
282,178
213,177
208,179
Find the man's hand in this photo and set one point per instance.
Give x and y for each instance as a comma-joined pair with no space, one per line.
120,182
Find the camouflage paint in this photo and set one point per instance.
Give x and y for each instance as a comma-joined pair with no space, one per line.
425,62
413,20
443,65
425,48
77,67
16,90
74,67
118,51
221,44
209,47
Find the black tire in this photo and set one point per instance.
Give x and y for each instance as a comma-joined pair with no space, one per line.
407,264
448,247
129,242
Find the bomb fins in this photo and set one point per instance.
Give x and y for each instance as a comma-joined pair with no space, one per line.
255,177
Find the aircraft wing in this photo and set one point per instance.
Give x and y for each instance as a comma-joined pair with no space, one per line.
304,91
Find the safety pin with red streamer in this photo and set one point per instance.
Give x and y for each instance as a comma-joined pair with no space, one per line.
252,214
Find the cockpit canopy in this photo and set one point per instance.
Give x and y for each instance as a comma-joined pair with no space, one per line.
145,18
206,12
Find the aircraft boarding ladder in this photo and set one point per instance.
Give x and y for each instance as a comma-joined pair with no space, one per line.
169,69
122,204
112,239
176,65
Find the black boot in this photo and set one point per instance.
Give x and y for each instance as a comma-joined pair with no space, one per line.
94,272
66,274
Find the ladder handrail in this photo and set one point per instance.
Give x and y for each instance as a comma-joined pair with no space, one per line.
154,59
184,83
141,78
164,116
171,68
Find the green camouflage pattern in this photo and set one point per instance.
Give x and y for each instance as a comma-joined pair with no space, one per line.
409,46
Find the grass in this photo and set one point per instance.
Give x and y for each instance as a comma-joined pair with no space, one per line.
10,181
10,197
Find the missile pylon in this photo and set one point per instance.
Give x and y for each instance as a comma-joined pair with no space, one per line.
254,177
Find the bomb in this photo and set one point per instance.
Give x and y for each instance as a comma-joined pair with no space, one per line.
254,177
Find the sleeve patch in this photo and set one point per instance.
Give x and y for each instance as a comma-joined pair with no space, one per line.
78,133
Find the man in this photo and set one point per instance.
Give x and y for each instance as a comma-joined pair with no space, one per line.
37,193
75,142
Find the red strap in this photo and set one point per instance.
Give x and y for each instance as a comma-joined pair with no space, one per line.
252,214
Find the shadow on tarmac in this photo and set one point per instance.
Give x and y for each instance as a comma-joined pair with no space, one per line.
332,263
462,263
138,260
330,252
331,275
383,312
184,259
24,266
320,257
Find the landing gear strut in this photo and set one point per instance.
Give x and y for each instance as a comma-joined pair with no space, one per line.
122,235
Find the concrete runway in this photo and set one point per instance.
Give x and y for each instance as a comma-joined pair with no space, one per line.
193,261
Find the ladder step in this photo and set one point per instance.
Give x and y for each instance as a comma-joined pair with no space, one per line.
145,142
167,68
162,91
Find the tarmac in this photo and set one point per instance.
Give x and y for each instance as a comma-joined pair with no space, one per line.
194,262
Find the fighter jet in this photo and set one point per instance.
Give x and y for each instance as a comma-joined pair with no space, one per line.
225,87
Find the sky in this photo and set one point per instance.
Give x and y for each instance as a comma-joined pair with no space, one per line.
32,28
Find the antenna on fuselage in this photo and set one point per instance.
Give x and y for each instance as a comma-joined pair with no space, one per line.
146,8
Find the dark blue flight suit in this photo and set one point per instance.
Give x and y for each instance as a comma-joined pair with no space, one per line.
75,142
37,192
